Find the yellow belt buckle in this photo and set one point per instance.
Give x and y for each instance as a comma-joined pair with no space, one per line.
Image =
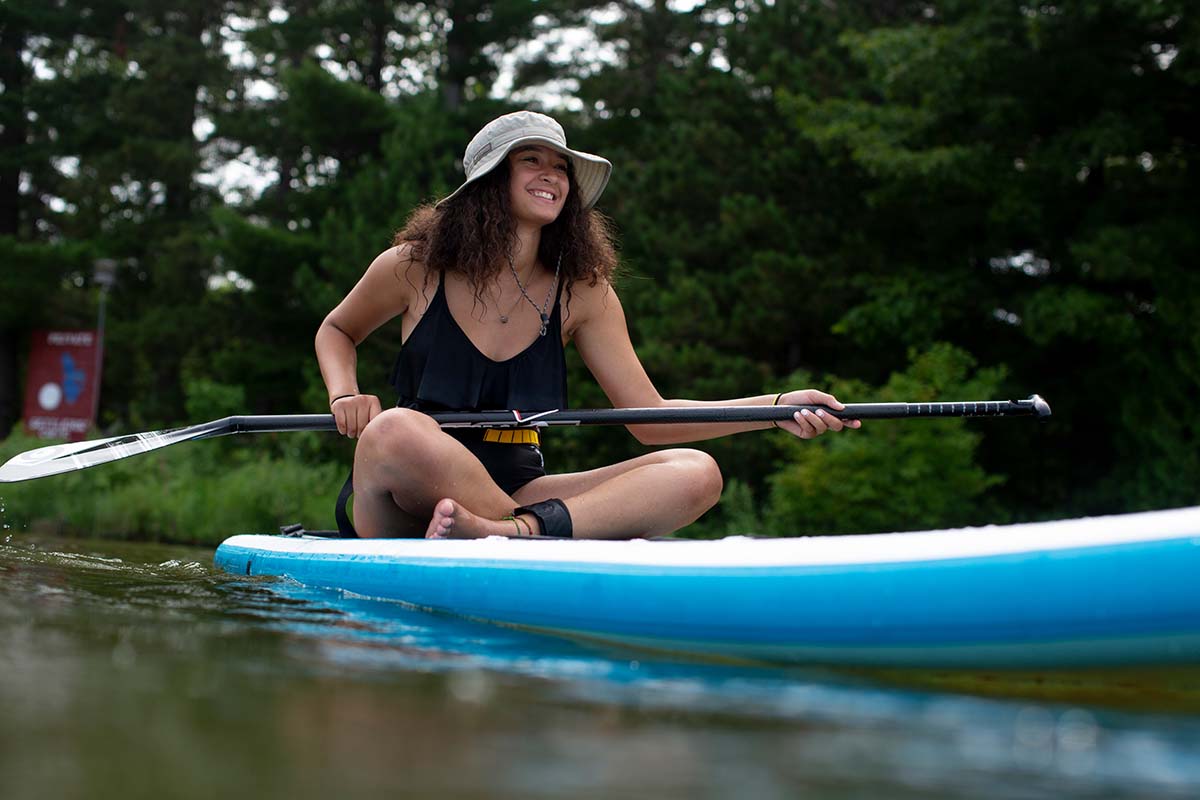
511,436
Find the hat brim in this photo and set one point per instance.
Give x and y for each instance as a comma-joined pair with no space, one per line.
591,172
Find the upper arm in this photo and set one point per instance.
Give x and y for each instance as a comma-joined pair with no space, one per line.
384,291
602,338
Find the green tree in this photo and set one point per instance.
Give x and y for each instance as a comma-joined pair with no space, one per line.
43,106
1025,173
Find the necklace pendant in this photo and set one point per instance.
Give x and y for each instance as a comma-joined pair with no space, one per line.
503,319
545,324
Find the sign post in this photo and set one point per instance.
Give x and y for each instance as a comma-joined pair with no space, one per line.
104,273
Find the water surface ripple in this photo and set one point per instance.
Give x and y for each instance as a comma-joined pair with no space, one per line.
135,670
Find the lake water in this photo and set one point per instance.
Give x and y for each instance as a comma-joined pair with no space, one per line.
135,670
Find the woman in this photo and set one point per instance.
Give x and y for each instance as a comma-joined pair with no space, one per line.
490,284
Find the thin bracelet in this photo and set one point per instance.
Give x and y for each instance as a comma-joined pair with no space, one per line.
518,522
777,399
342,397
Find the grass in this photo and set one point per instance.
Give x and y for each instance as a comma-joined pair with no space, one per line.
196,493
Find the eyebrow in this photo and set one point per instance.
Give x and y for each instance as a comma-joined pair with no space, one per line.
537,149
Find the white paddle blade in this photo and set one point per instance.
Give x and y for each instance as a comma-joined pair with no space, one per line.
59,458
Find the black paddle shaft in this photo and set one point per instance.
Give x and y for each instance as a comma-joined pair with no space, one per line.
1035,406
60,458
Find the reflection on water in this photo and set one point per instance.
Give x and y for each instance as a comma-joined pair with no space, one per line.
136,670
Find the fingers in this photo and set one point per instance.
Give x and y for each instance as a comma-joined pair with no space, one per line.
808,424
834,422
339,415
354,412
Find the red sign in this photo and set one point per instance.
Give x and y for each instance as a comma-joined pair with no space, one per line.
62,387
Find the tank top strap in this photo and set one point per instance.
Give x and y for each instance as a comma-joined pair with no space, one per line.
558,293
556,315
439,295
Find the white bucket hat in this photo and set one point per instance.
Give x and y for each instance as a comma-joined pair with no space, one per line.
498,138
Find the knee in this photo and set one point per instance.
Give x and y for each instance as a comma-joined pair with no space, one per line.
393,431
703,477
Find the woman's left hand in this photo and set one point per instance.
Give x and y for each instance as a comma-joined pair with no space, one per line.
810,424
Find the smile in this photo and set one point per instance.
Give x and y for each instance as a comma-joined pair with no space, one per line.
543,194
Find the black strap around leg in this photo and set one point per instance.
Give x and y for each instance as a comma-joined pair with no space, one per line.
345,526
553,515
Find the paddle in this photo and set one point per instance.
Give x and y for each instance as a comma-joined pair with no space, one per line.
60,458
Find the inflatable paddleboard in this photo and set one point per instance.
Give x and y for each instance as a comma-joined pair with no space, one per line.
1115,590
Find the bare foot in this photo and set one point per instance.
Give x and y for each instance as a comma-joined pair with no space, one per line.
452,521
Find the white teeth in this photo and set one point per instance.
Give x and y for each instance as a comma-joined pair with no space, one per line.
537,193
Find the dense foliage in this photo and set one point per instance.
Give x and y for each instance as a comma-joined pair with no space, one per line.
902,201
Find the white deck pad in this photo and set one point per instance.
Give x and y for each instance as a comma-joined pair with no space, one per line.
992,540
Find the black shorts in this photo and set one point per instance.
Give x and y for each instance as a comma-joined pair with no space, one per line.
510,465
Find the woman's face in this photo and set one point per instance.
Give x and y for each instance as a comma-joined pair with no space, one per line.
538,184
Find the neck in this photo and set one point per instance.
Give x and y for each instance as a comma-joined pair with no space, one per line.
529,237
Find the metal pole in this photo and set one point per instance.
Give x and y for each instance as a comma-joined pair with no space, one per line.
104,273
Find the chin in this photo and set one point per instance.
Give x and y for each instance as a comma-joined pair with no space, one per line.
540,216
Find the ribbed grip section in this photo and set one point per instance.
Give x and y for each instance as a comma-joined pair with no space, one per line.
973,408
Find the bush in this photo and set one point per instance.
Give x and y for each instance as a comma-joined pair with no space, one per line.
891,475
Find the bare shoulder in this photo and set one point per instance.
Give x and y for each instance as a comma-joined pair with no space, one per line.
399,279
393,284
398,273
587,303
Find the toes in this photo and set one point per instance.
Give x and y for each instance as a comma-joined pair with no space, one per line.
442,522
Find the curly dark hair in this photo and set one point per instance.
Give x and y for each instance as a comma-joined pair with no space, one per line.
471,235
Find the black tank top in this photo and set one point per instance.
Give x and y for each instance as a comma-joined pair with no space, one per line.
440,369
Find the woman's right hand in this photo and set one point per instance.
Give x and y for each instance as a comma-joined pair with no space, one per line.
352,413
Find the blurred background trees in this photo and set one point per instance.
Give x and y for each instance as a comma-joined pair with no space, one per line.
897,200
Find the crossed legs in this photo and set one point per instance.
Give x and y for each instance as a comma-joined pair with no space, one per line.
410,479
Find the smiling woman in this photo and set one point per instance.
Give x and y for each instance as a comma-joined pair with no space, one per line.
491,283
539,183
